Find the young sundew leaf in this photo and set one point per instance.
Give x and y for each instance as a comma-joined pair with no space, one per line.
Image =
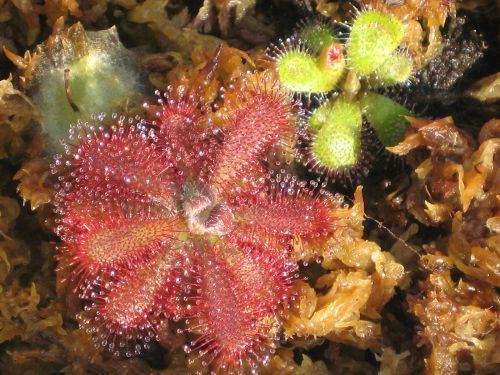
374,36
338,113
395,70
302,72
337,144
386,117
316,35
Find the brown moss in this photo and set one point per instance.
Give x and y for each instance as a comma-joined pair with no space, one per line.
459,321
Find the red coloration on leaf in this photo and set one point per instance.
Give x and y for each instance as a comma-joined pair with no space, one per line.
334,52
285,214
243,328
331,55
184,135
125,312
119,163
112,239
262,116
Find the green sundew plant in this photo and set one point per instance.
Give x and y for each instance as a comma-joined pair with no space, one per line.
337,149
387,118
315,62
339,144
342,146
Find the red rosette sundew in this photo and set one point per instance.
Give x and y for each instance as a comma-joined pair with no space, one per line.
260,116
234,294
152,229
